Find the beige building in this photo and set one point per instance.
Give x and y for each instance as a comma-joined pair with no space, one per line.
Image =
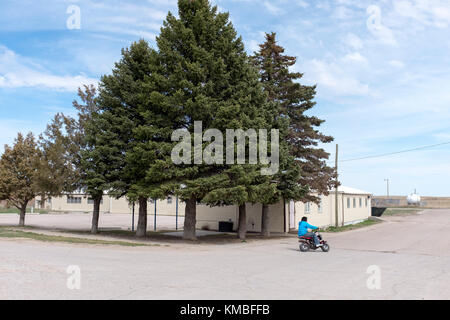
353,206
77,202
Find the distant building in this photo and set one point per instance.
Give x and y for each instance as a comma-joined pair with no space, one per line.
402,201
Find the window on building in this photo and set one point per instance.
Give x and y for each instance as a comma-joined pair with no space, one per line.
360,202
320,205
169,200
307,207
348,203
354,202
72,199
367,202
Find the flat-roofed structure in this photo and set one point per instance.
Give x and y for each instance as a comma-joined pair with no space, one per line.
353,206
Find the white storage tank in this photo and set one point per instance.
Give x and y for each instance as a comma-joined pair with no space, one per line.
413,199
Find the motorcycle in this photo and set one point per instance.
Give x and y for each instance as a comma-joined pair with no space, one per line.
307,243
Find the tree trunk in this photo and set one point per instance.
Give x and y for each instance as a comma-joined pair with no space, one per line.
142,220
265,221
242,231
190,219
43,201
95,215
23,211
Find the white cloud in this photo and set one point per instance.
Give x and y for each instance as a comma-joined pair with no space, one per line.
353,41
16,71
355,57
272,8
428,12
252,46
302,3
343,13
396,63
335,79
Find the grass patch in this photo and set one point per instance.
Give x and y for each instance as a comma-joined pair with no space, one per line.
160,236
363,224
15,210
13,233
400,211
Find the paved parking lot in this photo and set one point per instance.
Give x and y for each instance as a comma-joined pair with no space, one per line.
82,221
411,253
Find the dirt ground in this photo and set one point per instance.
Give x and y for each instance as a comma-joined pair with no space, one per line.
406,257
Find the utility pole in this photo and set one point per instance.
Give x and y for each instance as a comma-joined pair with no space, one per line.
337,183
387,186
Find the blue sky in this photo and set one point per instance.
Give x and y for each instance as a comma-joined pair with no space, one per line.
382,70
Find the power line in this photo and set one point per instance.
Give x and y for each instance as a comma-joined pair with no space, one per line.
397,152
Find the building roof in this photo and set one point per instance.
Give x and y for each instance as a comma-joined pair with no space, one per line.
349,190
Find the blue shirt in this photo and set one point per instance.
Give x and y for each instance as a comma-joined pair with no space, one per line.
303,228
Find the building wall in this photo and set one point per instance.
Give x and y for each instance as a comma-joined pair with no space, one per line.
115,206
315,216
357,207
120,206
282,216
62,204
163,207
327,216
208,217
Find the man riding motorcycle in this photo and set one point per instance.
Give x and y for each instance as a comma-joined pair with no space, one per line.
303,231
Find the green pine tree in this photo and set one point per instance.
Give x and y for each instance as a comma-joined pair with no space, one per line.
130,126
209,79
94,159
302,136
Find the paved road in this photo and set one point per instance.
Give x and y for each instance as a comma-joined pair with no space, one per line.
412,253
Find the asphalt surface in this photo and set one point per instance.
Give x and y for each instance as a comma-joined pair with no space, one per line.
411,254
82,221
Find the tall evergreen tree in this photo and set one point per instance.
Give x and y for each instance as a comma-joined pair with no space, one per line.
127,126
93,159
210,80
18,171
295,99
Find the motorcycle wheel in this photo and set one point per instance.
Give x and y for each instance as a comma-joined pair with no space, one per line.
304,247
325,248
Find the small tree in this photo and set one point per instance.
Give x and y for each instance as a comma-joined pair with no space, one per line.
18,169
57,171
95,166
92,159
